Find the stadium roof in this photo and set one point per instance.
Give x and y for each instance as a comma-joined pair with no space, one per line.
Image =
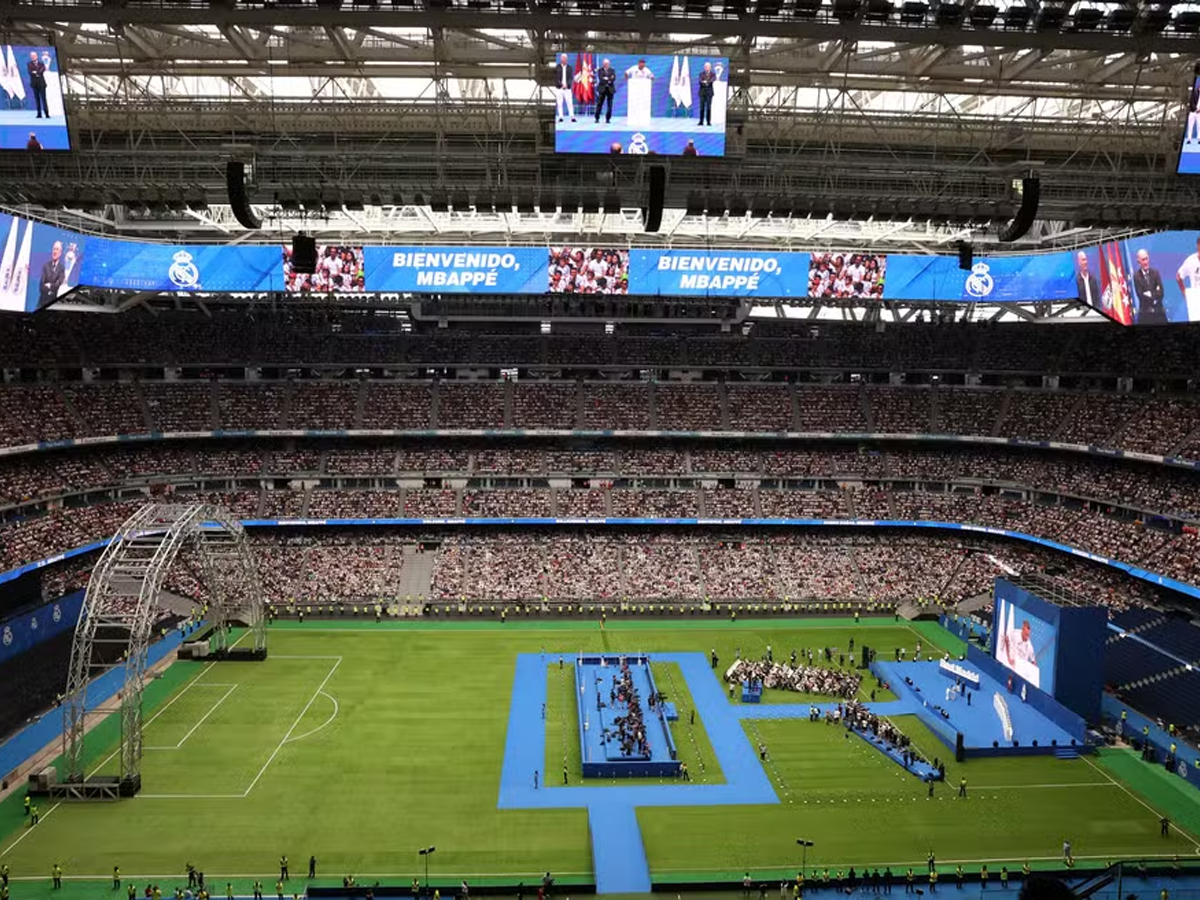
857,124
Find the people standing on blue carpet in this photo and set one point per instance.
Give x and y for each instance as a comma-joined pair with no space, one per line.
535,779
887,880
983,876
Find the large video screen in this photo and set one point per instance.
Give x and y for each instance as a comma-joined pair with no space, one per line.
339,270
137,266
1150,280
32,114
615,103
457,270
38,265
1189,146
589,270
847,275
995,279
1024,644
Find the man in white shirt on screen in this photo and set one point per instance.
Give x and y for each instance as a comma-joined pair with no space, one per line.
1019,653
1189,272
564,89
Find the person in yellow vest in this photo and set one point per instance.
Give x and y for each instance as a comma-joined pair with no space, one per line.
1004,878
983,876
933,876
1025,870
56,876
279,889
908,881
958,874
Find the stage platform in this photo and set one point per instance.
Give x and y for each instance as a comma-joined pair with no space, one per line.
600,752
979,723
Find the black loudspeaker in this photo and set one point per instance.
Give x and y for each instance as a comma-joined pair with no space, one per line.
959,754
658,193
966,255
1031,196
304,254
866,657
235,182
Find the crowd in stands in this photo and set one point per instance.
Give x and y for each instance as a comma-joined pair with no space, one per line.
1158,424
300,335
810,679
1143,486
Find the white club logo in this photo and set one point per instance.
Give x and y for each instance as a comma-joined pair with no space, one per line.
980,282
8,637
183,272
33,626
56,613
638,145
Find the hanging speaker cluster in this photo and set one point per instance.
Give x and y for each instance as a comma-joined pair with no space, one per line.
1022,221
656,198
239,200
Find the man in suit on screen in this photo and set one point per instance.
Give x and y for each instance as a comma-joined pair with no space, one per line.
564,87
707,79
53,275
37,81
1148,287
1086,284
606,89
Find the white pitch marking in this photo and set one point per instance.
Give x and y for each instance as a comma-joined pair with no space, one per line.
322,725
320,689
1157,814
32,828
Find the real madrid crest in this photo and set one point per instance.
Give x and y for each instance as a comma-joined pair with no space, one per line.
8,637
980,282
183,272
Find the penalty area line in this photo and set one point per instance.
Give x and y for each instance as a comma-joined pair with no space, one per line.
320,689
30,829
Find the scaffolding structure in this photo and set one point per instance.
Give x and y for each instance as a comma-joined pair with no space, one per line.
119,610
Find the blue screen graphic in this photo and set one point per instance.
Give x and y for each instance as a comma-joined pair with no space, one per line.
32,114
998,279
1024,643
655,107
194,267
457,270
718,273
38,263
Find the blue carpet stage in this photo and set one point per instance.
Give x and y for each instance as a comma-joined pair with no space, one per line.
600,703
981,724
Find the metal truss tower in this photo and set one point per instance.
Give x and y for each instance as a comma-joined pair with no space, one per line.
118,611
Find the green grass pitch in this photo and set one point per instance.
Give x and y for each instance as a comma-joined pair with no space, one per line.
361,743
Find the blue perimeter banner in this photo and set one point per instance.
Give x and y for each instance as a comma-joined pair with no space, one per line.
718,273
457,270
998,279
136,266
25,631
